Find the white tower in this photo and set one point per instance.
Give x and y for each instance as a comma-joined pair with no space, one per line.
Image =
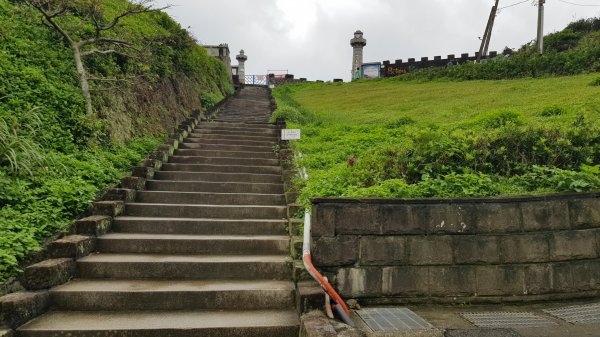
241,70
357,43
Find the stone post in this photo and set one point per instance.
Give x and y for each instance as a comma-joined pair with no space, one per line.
357,43
241,70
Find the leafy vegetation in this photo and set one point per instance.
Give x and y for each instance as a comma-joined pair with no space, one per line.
54,160
574,50
411,139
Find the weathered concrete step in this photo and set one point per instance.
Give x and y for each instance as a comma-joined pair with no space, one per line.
225,154
239,118
218,121
192,244
222,168
277,323
223,161
240,129
129,224
241,125
215,187
203,267
206,211
222,177
234,133
209,198
251,117
228,141
226,147
145,295
237,138
245,116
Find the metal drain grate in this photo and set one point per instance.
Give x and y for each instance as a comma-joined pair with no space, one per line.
506,319
578,314
392,319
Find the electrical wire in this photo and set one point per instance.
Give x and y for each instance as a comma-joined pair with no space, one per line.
515,4
576,4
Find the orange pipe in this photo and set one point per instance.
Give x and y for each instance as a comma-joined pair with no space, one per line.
323,282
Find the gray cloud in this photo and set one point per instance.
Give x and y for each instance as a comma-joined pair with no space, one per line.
310,38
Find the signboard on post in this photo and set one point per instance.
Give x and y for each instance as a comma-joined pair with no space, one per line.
290,134
371,70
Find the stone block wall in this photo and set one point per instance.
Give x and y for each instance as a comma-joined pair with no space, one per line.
400,67
460,250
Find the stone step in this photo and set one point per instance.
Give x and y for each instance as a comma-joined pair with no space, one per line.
217,135
206,211
224,161
226,154
222,168
201,267
146,295
135,243
215,187
235,133
241,129
277,323
228,141
262,123
209,198
226,147
242,125
218,177
238,118
151,225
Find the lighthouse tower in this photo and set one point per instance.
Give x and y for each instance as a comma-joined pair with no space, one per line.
357,43
241,58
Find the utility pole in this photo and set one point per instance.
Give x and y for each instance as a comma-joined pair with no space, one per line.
540,32
487,35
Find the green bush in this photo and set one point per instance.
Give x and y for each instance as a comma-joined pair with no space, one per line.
553,111
36,206
209,99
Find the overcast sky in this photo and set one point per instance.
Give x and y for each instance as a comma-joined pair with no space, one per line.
310,38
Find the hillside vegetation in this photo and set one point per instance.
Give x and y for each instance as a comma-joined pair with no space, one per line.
509,126
574,50
412,139
54,159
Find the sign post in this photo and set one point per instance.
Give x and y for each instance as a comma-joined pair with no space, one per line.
290,134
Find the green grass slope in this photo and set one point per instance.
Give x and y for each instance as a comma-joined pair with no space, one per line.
397,138
54,159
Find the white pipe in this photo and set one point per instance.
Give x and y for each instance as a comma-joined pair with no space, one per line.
307,260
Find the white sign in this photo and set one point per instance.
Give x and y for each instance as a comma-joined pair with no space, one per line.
290,134
272,86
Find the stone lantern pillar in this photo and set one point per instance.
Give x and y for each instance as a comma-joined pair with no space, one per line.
241,70
357,43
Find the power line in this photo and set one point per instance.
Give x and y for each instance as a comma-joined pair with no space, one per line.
515,4
576,4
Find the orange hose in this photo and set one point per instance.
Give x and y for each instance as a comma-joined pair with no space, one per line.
323,282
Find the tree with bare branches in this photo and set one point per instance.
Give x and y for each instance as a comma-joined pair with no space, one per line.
96,44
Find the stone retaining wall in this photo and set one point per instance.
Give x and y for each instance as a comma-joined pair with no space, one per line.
458,250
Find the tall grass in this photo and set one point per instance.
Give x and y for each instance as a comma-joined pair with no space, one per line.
20,152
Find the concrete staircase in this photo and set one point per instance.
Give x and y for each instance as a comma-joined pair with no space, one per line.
202,252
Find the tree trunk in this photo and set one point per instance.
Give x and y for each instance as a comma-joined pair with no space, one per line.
83,80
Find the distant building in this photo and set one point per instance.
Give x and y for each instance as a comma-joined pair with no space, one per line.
222,53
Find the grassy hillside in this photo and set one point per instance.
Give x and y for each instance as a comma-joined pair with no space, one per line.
574,50
398,138
53,158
